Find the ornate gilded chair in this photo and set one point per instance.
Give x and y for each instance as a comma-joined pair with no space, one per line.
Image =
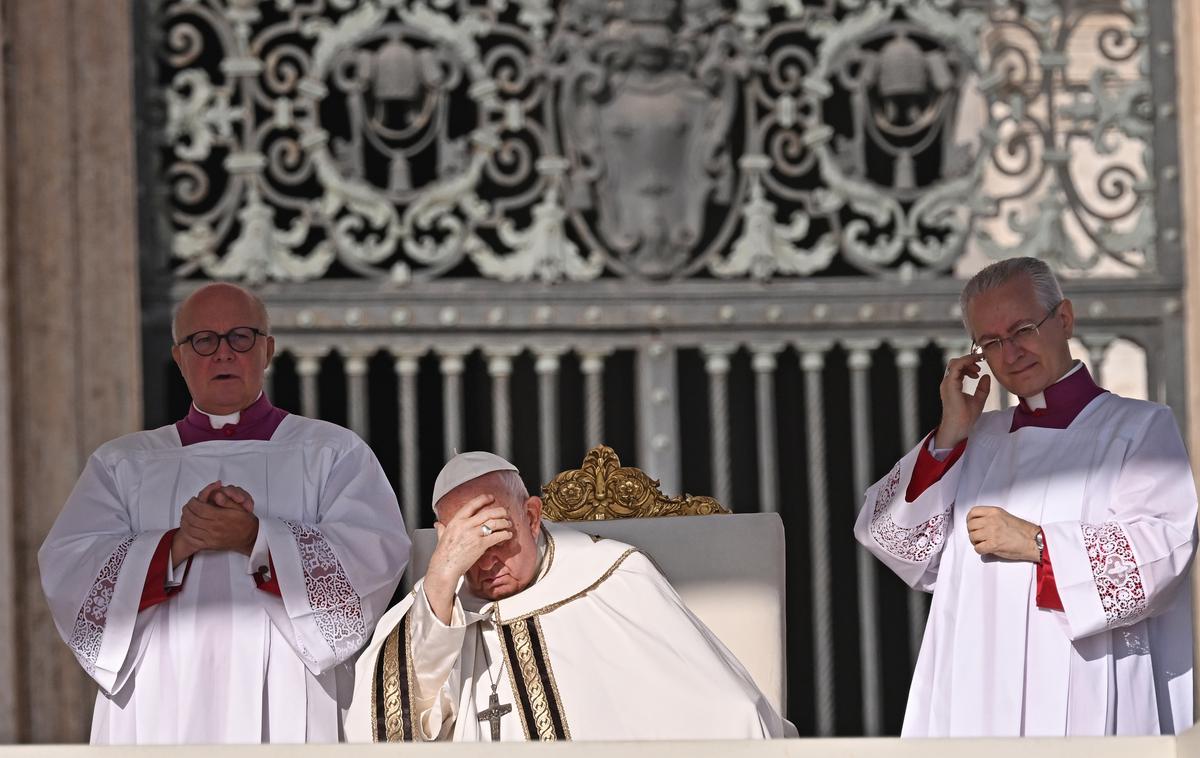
603,489
728,568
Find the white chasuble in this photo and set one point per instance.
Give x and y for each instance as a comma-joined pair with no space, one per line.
599,647
222,660
1114,495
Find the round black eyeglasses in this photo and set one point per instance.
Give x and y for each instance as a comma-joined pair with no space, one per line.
206,342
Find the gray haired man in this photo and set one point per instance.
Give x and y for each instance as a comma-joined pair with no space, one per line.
1056,536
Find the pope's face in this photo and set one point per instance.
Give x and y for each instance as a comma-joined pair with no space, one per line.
226,381
1028,366
509,567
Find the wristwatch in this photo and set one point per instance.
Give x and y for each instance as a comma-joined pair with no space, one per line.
1040,540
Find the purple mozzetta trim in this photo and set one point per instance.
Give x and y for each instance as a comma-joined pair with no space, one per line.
258,422
1064,400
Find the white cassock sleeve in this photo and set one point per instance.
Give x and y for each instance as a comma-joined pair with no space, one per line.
908,537
436,651
335,575
93,568
1126,565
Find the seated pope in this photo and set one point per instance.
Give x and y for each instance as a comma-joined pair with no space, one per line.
526,629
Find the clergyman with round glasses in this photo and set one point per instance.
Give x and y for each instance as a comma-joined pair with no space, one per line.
217,576
1056,536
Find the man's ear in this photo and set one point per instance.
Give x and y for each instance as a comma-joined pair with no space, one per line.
270,349
533,507
175,351
1066,312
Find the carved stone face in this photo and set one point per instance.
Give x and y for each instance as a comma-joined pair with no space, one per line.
654,187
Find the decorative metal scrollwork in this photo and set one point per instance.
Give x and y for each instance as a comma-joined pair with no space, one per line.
1072,168
604,489
408,140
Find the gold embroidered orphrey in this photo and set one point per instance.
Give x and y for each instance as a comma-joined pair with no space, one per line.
392,690
538,701
604,489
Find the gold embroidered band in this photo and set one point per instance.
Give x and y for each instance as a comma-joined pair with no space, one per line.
391,692
542,715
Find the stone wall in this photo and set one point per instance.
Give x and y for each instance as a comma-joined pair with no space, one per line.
69,316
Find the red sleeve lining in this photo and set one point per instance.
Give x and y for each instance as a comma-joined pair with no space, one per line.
928,470
267,580
1047,588
155,590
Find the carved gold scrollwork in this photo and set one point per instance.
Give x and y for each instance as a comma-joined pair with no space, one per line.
604,489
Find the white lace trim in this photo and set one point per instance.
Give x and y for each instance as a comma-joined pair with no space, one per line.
337,608
914,544
88,633
1115,571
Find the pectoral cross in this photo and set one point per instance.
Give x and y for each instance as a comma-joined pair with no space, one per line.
493,713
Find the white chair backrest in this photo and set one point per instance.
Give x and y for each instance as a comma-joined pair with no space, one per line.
729,570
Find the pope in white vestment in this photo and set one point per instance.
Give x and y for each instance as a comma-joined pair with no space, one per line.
594,644
243,644
1057,539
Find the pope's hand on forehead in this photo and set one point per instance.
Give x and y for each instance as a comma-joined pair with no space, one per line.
462,540
476,505
480,511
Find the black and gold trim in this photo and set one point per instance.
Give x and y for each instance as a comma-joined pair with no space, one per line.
538,701
392,688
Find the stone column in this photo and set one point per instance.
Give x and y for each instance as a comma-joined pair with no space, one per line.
8,541
71,377
1187,22
1187,57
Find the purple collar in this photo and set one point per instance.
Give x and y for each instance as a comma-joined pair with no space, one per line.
1064,400
257,422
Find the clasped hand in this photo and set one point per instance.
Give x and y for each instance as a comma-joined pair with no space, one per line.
995,531
220,517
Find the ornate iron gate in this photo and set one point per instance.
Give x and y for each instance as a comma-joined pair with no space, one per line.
726,238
